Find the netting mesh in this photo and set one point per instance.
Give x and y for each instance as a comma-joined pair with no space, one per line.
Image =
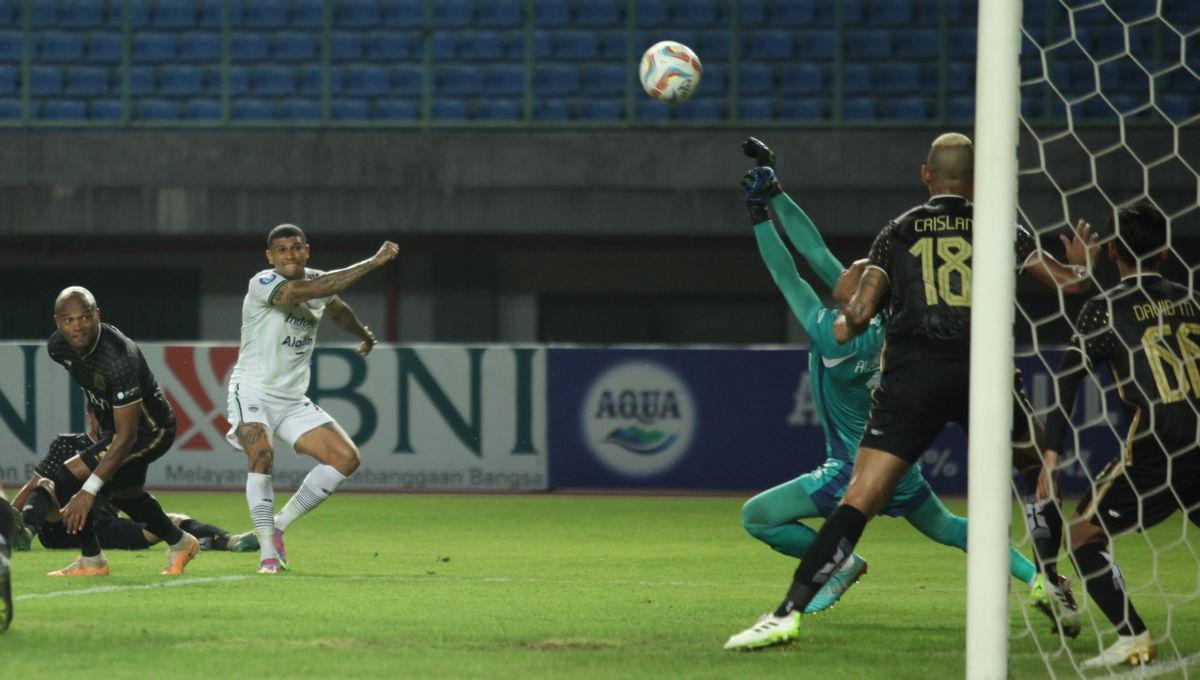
1110,115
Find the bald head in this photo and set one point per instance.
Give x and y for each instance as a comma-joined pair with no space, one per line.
77,293
950,166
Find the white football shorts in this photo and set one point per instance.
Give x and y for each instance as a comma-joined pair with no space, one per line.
285,418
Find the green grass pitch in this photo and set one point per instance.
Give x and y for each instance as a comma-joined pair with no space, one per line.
551,586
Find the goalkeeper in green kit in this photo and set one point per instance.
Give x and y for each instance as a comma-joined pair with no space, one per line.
842,379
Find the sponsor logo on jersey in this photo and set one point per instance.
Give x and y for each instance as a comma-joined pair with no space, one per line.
299,321
296,342
264,280
638,418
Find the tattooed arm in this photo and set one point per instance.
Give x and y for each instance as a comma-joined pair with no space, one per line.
347,320
334,282
857,314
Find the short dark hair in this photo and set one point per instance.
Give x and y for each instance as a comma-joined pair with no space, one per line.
285,231
1140,230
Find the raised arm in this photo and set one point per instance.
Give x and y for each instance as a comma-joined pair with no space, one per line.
800,296
1082,247
347,320
331,283
872,290
804,236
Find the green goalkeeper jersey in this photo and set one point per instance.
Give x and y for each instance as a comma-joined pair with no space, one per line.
842,375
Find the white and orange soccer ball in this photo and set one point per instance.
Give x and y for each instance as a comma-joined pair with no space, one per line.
670,71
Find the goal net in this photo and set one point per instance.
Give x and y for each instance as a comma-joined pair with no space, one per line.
1109,115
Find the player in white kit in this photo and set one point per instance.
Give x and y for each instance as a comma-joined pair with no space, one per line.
280,315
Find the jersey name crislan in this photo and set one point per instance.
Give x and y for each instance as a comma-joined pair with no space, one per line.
277,341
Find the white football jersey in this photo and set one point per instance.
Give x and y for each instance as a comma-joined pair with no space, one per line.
277,342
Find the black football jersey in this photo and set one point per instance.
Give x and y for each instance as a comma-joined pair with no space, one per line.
114,373
1147,330
64,447
926,254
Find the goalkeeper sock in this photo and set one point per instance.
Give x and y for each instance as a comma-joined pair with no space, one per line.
260,496
1106,586
209,535
319,484
833,544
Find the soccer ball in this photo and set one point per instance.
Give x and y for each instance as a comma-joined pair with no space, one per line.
670,71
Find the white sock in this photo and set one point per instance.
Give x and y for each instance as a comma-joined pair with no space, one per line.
319,484
260,495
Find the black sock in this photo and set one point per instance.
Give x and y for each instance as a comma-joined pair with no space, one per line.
209,534
833,544
146,510
1045,528
89,545
34,512
1106,586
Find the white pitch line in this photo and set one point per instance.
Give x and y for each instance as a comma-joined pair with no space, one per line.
1157,668
116,589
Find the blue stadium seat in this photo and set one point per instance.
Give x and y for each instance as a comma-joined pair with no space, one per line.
197,47
138,15
694,13
63,109
173,14
156,109
100,48
962,43
404,13
791,13
248,108
858,108
500,14
153,47
918,43
8,80
504,79
1184,16
453,13
890,13
81,14
896,77
754,108
448,109
45,80
755,79
481,46
713,45
202,109
1124,76
249,46
180,81
457,80
396,109
575,45
309,81
273,81
714,80
1101,42
816,44
497,109
10,13
604,79
142,81
239,80
298,109
752,13
868,44
407,79
43,13
10,109
11,46
613,44
59,47
556,79
800,78
346,45
767,45
960,108
366,80
1176,107
86,81
443,46
392,46
961,12
599,13
904,108
652,12
648,109
357,14
211,15
854,13
105,109
856,78
701,108
551,109
295,46
600,109
308,13
349,109
802,109
960,76
548,13
264,14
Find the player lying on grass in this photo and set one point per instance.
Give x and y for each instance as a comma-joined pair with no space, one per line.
41,512
947,174
842,379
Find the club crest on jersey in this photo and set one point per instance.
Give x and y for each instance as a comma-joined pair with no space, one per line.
98,380
264,280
